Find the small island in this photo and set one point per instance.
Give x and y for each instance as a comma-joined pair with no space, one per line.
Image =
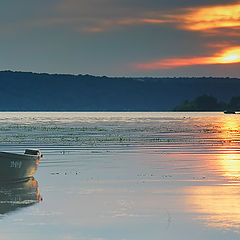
209,103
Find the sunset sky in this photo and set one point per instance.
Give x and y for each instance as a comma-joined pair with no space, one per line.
122,38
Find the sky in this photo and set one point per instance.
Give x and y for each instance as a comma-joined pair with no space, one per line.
136,38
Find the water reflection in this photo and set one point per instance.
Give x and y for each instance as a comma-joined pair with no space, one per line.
229,129
218,205
14,196
228,157
229,162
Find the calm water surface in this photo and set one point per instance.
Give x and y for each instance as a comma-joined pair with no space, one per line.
124,176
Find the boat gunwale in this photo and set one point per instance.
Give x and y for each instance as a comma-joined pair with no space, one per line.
2,154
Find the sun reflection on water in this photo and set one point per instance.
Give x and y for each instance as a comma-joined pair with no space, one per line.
228,159
229,162
229,128
218,204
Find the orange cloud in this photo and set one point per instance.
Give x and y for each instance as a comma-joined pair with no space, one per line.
192,19
104,25
205,18
92,29
228,56
88,18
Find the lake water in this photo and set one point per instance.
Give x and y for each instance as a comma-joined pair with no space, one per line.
124,176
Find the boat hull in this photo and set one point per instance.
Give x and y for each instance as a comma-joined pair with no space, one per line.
229,112
17,167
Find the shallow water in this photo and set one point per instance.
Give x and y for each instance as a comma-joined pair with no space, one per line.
124,176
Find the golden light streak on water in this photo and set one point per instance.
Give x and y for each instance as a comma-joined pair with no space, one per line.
216,206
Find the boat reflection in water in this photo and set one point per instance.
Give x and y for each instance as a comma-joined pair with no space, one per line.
14,196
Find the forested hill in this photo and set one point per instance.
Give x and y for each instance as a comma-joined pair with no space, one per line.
25,91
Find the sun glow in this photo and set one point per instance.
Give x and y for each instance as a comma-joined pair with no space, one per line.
231,56
226,56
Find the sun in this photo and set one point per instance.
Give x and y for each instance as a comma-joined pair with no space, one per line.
231,56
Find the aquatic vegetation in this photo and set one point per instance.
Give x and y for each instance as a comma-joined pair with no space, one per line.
144,171
158,130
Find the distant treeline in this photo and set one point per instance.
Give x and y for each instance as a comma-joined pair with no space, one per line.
27,91
209,103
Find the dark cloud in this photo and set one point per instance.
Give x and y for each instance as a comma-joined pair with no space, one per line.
112,8
107,36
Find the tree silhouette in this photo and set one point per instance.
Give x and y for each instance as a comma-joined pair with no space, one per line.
234,103
202,103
